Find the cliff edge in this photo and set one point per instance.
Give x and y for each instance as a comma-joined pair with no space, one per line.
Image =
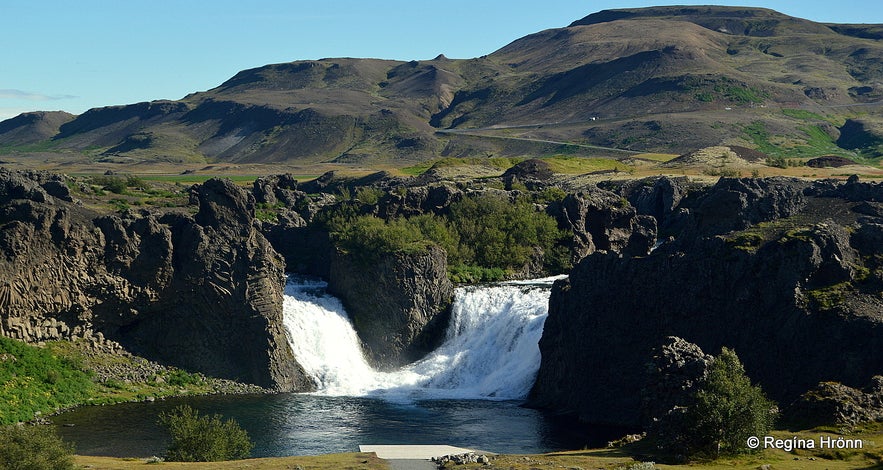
785,272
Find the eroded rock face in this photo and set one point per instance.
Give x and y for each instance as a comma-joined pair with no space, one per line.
674,373
399,304
603,221
796,298
834,403
202,292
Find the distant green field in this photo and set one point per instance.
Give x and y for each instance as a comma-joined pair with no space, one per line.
566,164
202,178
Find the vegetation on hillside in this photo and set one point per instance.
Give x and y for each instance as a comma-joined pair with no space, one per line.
485,237
36,381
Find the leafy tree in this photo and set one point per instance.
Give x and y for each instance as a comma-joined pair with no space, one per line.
728,410
198,438
33,448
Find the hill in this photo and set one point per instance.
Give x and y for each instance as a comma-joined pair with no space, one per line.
661,79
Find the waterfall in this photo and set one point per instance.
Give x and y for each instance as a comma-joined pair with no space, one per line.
490,350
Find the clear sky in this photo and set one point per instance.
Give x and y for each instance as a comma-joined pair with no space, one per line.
74,55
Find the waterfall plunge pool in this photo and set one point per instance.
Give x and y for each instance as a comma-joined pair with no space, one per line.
302,424
466,393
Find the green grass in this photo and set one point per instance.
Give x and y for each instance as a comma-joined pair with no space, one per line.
566,164
36,380
198,178
657,157
813,142
159,382
497,162
826,298
784,229
44,146
803,114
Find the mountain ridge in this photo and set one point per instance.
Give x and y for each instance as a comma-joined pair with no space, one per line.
694,76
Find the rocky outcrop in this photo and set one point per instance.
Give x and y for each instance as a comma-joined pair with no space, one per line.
533,173
201,292
674,372
416,200
399,304
829,161
674,376
834,403
796,297
603,221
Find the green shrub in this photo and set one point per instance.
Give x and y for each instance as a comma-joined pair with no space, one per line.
114,184
487,234
369,237
33,448
180,378
198,438
471,274
728,410
368,195
33,379
496,233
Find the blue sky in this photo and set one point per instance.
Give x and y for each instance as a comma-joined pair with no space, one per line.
75,55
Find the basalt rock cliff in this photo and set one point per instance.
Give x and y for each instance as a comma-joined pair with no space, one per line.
202,292
787,273
399,305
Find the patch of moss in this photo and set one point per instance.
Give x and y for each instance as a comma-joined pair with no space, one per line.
800,233
783,230
746,241
826,298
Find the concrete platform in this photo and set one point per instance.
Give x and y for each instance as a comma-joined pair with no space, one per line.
424,452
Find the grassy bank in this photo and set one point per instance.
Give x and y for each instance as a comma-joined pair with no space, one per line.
354,461
38,381
630,457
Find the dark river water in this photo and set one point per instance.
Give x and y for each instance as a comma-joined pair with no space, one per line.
294,424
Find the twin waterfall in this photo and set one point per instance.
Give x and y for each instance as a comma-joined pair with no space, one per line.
490,350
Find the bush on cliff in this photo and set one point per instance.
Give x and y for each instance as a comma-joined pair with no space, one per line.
485,236
34,380
33,448
496,233
727,411
198,438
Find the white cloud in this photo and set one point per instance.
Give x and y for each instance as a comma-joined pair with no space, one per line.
12,94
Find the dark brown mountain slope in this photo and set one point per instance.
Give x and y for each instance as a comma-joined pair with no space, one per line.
669,79
30,128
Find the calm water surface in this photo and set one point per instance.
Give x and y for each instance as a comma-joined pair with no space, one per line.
294,424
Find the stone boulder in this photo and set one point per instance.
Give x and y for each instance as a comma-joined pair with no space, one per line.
832,403
533,173
675,370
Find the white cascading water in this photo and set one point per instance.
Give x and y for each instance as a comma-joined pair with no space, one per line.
490,351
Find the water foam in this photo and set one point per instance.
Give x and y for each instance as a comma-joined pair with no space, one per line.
490,350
